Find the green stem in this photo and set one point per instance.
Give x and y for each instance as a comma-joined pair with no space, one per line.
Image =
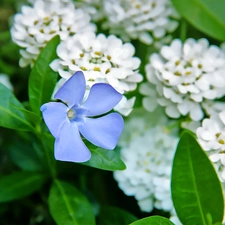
50,160
183,30
174,125
51,163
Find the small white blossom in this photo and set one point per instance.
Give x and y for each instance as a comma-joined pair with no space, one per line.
4,79
93,7
146,20
211,136
50,1
187,77
36,25
125,106
147,149
102,60
211,107
174,218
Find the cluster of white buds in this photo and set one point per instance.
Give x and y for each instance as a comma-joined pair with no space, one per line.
103,60
147,148
184,77
36,25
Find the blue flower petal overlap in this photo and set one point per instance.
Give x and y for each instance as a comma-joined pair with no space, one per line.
68,119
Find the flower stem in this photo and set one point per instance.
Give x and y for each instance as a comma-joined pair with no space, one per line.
44,142
183,30
51,163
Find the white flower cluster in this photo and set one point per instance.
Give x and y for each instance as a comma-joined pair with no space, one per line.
103,60
146,20
185,78
147,149
93,7
36,25
149,21
211,136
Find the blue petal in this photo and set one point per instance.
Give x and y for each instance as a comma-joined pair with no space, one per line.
69,146
104,131
55,115
102,98
72,91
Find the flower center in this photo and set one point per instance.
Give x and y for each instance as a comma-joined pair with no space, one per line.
71,114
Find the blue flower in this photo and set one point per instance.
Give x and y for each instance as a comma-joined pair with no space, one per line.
68,119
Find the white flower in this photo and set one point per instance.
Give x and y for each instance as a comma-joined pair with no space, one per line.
150,100
174,218
102,60
93,7
145,20
4,79
211,136
187,77
211,107
36,25
147,148
125,106
52,1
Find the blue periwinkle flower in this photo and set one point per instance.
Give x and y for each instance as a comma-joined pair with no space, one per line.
68,119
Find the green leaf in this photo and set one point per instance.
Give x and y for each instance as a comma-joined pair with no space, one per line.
112,215
42,78
153,220
31,117
28,156
68,206
47,141
3,208
196,189
205,15
105,160
19,184
10,113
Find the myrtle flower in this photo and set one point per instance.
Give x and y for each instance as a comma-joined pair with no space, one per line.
211,136
147,149
146,20
36,25
102,60
4,79
185,76
68,119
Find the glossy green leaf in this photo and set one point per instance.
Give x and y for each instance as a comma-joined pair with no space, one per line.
27,156
31,116
153,220
112,215
196,189
68,206
42,78
205,15
105,160
11,116
19,184
47,141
